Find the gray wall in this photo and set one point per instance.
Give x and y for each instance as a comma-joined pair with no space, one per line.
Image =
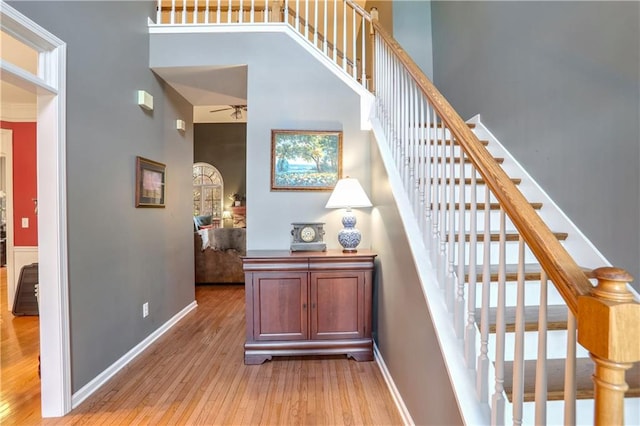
412,29
287,89
404,331
119,256
558,83
224,146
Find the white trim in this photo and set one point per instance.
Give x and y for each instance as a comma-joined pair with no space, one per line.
395,393
7,152
24,79
52,221
19,113
88,389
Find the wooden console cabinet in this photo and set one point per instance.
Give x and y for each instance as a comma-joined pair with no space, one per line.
308,303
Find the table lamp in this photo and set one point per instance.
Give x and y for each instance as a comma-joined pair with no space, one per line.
226,216
348,193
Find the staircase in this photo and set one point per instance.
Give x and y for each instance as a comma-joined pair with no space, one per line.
521,285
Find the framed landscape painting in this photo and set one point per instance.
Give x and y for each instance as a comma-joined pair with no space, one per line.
304,160
150,183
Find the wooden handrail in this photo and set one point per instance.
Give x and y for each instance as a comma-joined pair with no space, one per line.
568,277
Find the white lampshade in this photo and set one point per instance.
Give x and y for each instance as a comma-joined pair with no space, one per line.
348,193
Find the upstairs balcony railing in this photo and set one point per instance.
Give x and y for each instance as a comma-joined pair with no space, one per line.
339,29
479,229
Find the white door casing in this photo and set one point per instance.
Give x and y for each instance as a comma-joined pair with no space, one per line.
50,87
7,153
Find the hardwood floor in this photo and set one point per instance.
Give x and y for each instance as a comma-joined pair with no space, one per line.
19,349
195,375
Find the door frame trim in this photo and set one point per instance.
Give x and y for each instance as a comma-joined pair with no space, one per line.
50,85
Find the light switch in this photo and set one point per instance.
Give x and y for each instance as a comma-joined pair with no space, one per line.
25,222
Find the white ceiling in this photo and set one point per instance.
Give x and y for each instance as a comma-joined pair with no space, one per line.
209,88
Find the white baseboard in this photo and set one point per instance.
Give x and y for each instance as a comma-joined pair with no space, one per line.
395,394
88,389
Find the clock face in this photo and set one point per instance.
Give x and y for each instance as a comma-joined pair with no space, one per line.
307,234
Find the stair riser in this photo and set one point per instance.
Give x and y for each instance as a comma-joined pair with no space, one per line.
511,253
531,294
556,346
436,194
584,412
479,216
437,171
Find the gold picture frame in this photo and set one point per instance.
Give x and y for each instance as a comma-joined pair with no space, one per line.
305,160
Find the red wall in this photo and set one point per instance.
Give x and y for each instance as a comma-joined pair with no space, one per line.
25,187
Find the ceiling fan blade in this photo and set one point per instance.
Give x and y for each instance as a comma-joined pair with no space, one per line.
222,109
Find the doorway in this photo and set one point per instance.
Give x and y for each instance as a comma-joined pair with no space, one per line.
48,85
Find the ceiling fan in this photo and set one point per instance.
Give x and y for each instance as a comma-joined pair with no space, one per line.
237,110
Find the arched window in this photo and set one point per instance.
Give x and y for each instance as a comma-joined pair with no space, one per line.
208,189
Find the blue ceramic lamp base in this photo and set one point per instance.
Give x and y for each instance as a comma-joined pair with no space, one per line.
349,237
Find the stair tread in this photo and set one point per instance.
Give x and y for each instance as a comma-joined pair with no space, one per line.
467,181
455,142
439,125
456,160
532,271
481,206
555,379
509,236
556,318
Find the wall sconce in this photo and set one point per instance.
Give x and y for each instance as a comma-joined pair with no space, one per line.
181,125
145,100
348,193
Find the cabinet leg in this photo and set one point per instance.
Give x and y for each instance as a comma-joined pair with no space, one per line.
361,356
256,359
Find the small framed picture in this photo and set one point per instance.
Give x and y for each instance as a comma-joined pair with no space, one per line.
150,183
304,160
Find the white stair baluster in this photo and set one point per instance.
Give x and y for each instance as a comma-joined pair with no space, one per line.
354,41
482,371
195,11
518,359
470,334
315,24
324,31
498,401
541,361
335,33
459,320
451,242
306,19
344,36
363,63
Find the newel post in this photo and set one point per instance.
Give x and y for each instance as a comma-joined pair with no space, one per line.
609,326
372,38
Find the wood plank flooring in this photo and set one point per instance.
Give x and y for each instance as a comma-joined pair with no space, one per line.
195,375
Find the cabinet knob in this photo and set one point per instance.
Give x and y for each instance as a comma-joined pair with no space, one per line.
304,306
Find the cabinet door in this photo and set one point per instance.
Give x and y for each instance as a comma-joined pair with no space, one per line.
337,305
280,306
